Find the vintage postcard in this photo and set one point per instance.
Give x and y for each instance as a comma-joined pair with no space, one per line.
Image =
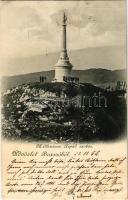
63,100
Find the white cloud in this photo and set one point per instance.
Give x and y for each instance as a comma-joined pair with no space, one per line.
28,28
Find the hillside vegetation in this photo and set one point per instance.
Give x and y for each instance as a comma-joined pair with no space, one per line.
52,111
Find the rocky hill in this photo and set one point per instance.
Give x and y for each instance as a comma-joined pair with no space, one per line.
62,112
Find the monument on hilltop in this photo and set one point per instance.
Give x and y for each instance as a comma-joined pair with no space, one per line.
63,67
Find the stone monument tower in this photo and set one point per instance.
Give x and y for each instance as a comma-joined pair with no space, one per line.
63,67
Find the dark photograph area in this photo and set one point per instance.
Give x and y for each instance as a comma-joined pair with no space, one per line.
87,103
68,111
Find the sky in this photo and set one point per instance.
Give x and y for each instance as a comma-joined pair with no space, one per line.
31,28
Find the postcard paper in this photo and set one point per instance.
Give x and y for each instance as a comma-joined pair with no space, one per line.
63,100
